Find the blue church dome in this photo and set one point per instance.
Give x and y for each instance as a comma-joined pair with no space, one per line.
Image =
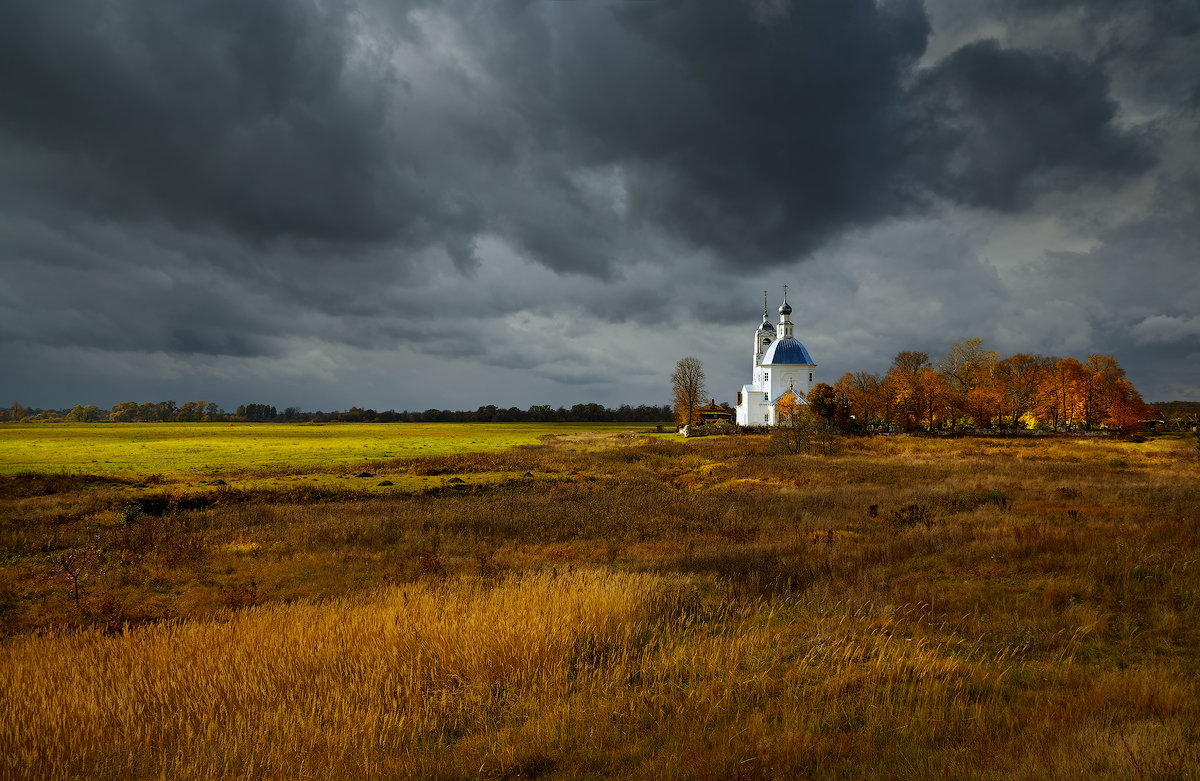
787,352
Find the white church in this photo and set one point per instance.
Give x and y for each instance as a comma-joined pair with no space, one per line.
781,366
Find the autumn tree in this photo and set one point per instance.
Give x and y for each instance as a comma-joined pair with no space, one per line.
1126,411
931,397
821,400
688,389
795,423
964,364
1106,377
844,397
862,392
1019,378
905,378
1047,401
842,403
967,371
125,412
1073,389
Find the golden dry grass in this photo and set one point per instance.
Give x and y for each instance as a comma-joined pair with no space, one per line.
349,686
656,609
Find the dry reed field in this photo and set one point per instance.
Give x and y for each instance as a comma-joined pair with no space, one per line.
613,607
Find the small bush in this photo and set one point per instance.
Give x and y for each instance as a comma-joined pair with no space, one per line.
970,500
910,515
238,597
132,513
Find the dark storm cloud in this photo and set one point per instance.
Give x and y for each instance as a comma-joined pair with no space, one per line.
1148,49
756,130
756,134
281,180
1000,127
761,130
250,117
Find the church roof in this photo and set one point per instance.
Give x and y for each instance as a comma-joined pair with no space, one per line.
787,352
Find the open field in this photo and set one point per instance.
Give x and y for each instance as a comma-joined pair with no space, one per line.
649,607
178,451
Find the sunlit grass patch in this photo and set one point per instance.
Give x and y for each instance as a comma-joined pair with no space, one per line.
241,547
214,449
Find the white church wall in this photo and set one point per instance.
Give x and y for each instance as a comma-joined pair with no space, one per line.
754,406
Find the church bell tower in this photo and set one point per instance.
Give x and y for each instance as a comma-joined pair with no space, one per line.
762,338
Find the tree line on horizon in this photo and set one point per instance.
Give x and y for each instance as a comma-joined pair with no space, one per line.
973,387
969,387
203,411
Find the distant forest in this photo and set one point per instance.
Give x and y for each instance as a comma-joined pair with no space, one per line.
208,412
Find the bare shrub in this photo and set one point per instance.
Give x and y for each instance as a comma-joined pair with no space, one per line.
779,568
238,597
910,515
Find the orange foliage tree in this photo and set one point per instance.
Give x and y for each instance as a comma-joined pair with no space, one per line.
967,370
1018,381
906,382
971,385
863,397
823,402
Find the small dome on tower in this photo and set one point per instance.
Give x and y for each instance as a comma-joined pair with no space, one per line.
766,325
786,309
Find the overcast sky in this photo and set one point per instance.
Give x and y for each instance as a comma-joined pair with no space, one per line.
406,204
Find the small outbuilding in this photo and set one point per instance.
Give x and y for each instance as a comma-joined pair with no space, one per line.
715,413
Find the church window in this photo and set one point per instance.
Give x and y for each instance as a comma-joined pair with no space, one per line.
810,376
766,397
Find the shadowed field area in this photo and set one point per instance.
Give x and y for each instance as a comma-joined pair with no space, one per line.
605,606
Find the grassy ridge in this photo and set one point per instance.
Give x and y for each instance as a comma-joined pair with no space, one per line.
642,608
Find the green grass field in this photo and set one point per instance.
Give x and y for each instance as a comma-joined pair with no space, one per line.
178,451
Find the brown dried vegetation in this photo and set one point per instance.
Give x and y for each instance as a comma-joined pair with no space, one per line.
905,608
